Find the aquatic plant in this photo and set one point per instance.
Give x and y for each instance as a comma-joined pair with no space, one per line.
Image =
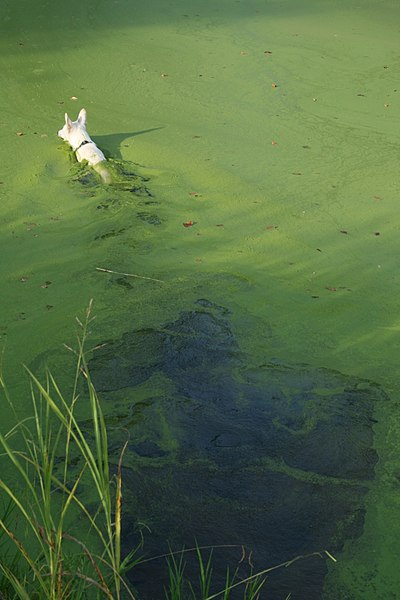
46,491
181,589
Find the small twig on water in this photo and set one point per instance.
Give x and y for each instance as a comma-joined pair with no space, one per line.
330,555
128,274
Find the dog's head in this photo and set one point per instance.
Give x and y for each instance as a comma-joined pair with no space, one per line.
74,132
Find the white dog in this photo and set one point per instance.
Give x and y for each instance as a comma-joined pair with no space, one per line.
74,132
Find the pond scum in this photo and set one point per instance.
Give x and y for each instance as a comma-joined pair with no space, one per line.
55,545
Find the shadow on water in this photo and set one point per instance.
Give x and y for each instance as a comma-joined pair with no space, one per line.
111,143
54,18
276,457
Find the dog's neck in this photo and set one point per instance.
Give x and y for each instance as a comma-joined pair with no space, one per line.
82,144
86,140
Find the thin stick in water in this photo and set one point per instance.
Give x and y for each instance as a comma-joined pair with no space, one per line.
128,274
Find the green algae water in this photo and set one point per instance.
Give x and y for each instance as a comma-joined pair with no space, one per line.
246,287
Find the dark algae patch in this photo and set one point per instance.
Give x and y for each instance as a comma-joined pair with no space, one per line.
276,457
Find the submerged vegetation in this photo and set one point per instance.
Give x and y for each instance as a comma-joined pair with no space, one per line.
55,543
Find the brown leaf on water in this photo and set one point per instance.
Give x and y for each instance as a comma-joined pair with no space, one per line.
188,223
29,226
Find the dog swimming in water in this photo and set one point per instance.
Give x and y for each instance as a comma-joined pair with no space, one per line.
74,132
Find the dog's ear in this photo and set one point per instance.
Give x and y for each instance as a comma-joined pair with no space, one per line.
82,117
68,121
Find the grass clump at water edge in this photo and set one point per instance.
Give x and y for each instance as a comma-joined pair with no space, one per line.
53,563
52,457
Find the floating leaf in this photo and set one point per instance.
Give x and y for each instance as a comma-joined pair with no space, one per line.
30,226
188,224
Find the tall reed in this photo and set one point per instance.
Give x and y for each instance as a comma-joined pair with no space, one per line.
54,564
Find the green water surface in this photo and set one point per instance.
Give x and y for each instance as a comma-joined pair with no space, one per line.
273,127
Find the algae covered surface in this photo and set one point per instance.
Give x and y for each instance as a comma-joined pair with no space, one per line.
248,296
